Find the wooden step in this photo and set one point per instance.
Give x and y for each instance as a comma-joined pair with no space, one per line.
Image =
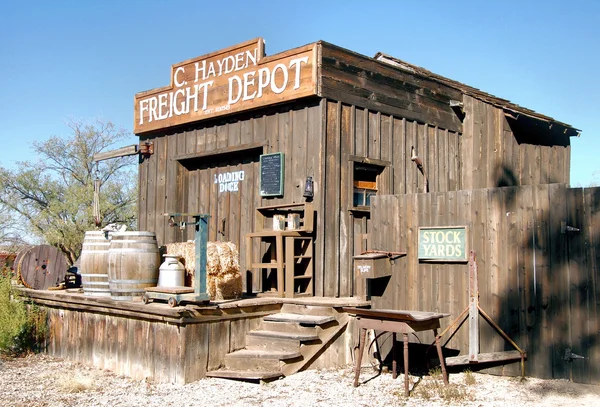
284,335
266,360
263,354
244,375
300,319
276,326
277,340
306,309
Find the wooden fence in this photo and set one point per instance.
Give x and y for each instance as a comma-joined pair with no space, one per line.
538,250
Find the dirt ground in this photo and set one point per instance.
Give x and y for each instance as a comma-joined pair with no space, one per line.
39,380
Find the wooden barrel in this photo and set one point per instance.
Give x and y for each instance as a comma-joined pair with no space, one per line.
133,261
93,266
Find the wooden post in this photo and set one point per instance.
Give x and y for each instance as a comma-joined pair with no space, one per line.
473,310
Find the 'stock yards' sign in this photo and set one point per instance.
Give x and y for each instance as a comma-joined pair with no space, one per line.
443,243
227,81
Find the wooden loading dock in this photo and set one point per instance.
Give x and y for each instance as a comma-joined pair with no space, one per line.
329,135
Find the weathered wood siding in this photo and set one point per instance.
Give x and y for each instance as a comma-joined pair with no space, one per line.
497,150
180,176
536,282
362,81
354,133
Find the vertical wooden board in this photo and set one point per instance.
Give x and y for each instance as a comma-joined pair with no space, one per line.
161,156
479,143
442,159
151,193
465,210
412,173
424,269
286,142
300,141
490,145
527,285
385,124
170,234
432,169
557,312
238,329
542,267
332,199
398,223
317,118
195,345
143,195
345,260
497,213
423,153
592,220
218,343
578,281
452,160
398,156
466,154
412,209
438,201
374,133
360,131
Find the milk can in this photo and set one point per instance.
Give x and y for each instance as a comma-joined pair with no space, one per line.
171,272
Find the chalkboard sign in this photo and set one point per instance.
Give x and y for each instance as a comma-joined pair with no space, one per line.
271,174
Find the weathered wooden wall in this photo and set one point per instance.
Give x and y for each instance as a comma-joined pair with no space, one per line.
145,342
538,284
497,150
179,177
354,133
370,111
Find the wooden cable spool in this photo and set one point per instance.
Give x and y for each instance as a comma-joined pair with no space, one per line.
41,267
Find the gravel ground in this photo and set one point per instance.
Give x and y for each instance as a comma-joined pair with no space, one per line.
39,380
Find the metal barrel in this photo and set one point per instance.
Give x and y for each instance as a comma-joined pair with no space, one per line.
133,261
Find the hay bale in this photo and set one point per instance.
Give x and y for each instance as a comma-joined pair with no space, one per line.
224,280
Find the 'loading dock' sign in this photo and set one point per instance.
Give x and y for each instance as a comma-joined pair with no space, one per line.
445,244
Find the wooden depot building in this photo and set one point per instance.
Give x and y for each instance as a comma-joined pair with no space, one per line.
239,135
313,157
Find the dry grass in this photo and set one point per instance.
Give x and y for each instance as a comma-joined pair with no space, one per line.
469,378
432,387
76,384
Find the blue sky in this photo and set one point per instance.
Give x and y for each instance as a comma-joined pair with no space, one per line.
86,59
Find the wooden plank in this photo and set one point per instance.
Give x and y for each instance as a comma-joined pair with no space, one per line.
332,198
347,136
558,308
592,220
467,150
463,360
577,286
398,156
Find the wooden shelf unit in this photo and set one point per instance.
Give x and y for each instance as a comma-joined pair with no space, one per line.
291,252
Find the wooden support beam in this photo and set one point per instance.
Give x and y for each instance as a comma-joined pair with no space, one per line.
121,152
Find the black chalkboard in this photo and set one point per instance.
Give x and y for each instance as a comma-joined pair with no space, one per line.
271,174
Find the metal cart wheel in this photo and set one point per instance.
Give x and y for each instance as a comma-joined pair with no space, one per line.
172,302
145,298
